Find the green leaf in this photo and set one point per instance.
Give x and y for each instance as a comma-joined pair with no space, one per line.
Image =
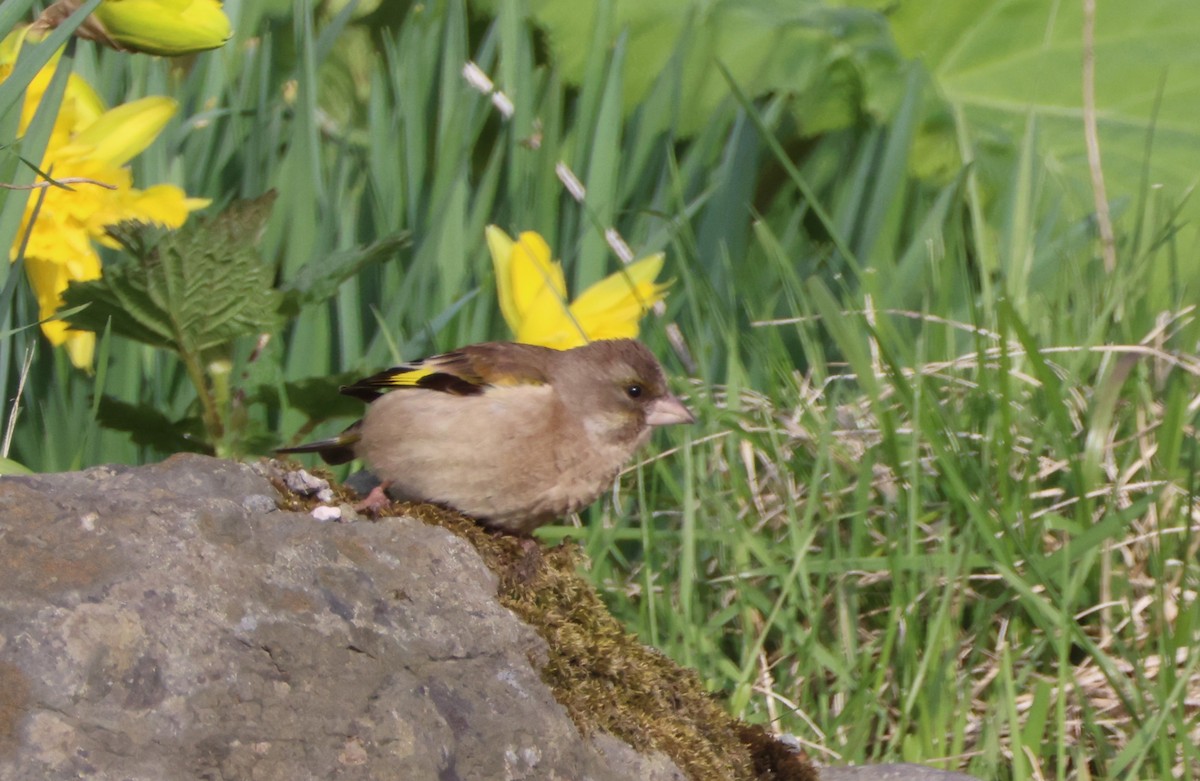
837,62
318,280
98,302
10,467
317,398
192,290
147,426
1002,63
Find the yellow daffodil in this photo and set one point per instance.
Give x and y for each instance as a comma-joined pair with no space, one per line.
166,27
90,143
533,295
80,104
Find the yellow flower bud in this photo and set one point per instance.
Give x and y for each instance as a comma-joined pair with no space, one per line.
166,27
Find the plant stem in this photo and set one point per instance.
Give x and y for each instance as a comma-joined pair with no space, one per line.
208,407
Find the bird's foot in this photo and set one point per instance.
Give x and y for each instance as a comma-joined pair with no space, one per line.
375,502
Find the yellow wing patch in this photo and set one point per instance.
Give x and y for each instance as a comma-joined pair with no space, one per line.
403,376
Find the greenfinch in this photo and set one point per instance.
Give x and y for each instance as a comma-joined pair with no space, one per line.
513,435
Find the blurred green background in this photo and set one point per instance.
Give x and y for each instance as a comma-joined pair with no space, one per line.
940,504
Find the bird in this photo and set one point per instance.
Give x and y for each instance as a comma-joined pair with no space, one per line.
513,435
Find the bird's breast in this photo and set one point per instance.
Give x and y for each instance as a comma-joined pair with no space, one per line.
506,456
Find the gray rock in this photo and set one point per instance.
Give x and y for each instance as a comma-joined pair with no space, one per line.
164,623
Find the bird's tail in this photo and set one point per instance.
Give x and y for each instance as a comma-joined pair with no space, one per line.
336,450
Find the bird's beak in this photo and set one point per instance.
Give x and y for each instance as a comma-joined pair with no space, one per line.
667,411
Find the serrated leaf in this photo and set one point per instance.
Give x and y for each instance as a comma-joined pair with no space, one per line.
212,280
120,297
318,280
192,290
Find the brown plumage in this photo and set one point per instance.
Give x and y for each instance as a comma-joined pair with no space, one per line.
513,435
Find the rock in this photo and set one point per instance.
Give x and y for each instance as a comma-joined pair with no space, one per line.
168,622
156,624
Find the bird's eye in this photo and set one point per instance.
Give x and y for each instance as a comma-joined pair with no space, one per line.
633,391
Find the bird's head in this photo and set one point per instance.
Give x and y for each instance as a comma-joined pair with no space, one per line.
619,389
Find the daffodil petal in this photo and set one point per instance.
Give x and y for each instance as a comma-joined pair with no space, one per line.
540,293
611,308
122,132
625,286
564,335
84,102
55,332
500,245
164,204
549,323
81,348
49,278
532,272
10,47
80,104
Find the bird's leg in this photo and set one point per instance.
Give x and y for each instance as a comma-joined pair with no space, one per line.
376,500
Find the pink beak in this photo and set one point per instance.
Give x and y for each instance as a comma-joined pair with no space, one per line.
668,411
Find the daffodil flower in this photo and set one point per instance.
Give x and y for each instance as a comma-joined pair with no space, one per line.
80,104
91,143
166,27
533,295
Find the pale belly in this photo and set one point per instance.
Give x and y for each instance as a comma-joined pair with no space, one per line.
506,458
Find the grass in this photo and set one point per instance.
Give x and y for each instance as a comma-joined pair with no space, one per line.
940,504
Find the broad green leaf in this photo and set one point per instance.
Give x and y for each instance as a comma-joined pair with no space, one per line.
149,427
837,62
1005,62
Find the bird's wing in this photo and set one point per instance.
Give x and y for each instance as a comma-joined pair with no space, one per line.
464,372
